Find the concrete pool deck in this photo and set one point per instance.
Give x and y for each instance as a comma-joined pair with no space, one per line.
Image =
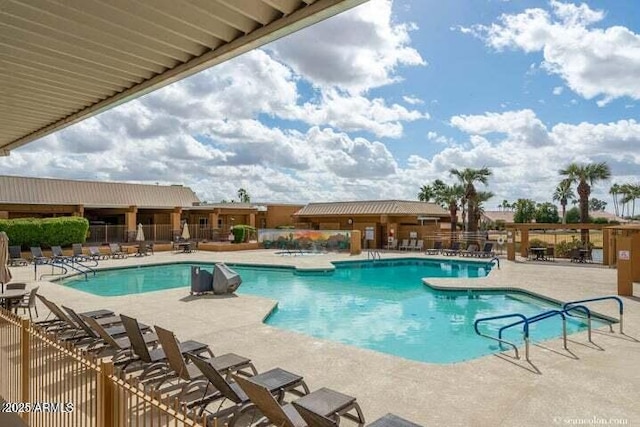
591,384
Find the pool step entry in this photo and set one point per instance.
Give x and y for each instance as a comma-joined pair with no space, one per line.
569,309
66,264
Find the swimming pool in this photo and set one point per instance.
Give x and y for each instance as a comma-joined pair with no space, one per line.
382,306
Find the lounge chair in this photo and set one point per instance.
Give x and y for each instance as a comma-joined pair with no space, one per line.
13,286
437,248
419,246
58,256
412,245
404,245
486,252
78,253
314,419
29,303
38,257
15,256
95,254
324,401
63,324
155,361
277,381
189,374
116,252
143,249
454,250
120,345
392,244
471,250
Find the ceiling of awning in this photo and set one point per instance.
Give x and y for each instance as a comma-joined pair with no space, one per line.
65,60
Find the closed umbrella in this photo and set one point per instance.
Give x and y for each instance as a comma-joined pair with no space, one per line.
185,232
5,274
140,234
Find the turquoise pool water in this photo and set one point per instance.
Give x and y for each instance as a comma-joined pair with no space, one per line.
381,306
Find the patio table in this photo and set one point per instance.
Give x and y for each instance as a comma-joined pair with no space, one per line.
539,253
11,297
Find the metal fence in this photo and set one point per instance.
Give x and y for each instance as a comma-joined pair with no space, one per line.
63,386
108,233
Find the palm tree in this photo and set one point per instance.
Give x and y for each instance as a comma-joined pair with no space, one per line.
481,197
426,193
563,194
468,177
244,196
585,175
449,197
630,193
615,191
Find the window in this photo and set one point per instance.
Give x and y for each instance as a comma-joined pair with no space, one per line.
204,222
220,223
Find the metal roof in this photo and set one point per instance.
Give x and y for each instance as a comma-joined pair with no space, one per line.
44,191
63,61
373,207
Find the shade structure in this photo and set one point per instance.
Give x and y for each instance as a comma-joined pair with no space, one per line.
5,274
185,232
140,234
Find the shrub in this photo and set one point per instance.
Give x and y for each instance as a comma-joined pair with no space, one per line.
563,248
600,221
242,232
45,232
573,216
537,243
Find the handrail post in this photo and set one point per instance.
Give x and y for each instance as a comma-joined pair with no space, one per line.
564,331
25,365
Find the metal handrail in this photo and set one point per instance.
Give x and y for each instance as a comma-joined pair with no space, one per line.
539,317
568,310
89,268
497,260
525,331
373,255
62,267
618,300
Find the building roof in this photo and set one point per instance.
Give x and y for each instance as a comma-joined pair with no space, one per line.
506,216
64,61
45,191
373,207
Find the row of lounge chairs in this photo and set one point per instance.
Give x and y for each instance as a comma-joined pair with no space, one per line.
472,250
57,255
190,372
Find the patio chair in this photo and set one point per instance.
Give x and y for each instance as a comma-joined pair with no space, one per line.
58,256
115,252
63,324
324,401
574,255
313,419
155,360
78,253
15,257
437,248
454,250
29,303
112,325
550,254
470,251
278,379
392,244
486,252
404,245
419,246
189,374
143,249
15,286
38,257
95,254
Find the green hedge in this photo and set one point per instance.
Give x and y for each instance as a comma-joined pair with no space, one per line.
45,232
242,232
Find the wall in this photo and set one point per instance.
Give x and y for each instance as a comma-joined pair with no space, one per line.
278,215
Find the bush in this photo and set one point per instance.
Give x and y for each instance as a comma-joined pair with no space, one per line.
600,221
573,216
537,243
242,232
563,248
45,232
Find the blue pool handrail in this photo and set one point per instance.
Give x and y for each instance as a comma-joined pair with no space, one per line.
587,312
538,317
611,297
525,331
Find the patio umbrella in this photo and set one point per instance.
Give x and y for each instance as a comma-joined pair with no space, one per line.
185,232
140,234
5,274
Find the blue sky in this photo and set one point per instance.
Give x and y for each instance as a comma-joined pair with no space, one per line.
379,100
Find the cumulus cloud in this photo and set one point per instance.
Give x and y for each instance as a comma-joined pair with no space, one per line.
355,51
594,62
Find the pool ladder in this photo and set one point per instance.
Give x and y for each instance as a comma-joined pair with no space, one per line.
565,312
373,255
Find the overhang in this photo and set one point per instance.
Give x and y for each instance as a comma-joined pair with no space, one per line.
64,61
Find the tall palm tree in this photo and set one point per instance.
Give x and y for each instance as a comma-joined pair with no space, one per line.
449,197
481,197
563,194
243,196
630,193
585,175
615,191
426,193
468,177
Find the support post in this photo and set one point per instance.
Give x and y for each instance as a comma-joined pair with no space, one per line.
175,223
25,365
130,221
106,395
511,244
524,242
628,248
356,242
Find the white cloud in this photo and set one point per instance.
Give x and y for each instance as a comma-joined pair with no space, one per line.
412,100
558,90
594,62
354,51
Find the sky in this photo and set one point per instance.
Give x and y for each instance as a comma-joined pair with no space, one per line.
380,100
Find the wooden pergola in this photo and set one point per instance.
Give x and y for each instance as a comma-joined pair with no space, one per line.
625,242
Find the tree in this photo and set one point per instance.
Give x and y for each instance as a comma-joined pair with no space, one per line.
244,196
563,194
468,177
547,213
585,176
482,197
525,211
573,215
597,205
449,197
615,191
426,193
630,193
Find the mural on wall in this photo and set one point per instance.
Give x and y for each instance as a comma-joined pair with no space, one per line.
305,239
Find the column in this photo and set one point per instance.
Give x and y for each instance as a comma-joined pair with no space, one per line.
4,214
175,223
628,248
606,246
130,222
78,211
356,242
252,219
524,242
511,244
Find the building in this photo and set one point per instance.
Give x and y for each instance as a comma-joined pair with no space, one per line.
382,218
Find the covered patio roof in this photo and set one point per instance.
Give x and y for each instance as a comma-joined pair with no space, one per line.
64,61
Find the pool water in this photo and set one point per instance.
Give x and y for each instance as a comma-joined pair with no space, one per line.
382,306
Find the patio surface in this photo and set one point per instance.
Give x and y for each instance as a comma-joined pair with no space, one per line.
593,384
